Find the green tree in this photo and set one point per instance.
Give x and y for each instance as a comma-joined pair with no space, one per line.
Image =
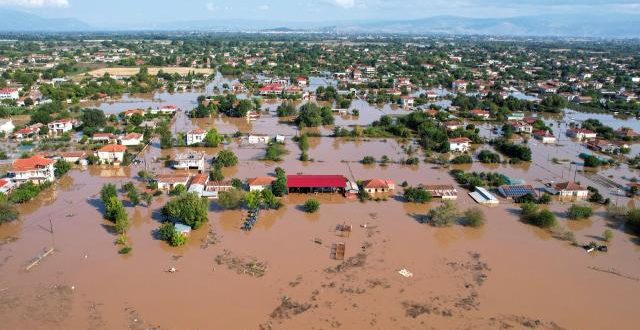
226,158
279,186
607,235
188,208
108,190
93,118
417,195
231,199
473,217
8,211
579,212
61,167
443,215
212,139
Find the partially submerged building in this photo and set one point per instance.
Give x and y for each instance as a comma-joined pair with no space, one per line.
484,197
442,191
316,183
189,160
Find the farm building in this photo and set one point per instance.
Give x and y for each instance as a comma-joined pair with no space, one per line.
378,186
443,191
516,191
483,196
316,183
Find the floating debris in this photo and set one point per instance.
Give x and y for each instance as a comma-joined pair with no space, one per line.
404,272
242,265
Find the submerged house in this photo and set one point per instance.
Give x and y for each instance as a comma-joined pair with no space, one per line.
442,191
189,160
316,183
170,181
571,191
260,183
36,169
378,186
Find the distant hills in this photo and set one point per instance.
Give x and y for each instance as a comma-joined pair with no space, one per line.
593,25
12,21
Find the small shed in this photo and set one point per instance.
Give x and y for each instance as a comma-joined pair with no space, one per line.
183,229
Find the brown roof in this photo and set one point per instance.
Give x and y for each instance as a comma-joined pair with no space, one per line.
377,183
569,186
460,140
113,148
261,181
32,163
172,178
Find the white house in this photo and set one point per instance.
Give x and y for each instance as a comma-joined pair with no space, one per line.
9,94
461,144
407,101
571,191
545,137
36,169
459,85
188,160
521,127
581,134
195,136
111,153
6,126
61,126
165,110
131,139
260,183
103,138
280,138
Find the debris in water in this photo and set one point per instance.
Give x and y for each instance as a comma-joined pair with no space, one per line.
404,272
242,265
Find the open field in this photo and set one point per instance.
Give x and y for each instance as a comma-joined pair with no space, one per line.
126,72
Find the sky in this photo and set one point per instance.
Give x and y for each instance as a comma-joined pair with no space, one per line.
126,12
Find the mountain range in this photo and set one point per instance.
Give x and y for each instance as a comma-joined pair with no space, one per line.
619,26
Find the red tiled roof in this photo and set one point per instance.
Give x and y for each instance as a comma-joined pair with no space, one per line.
316,181
7,90
200,179
32,163
569,186
197,131
377,183
113,148
3,182
132,136
261,181
460,140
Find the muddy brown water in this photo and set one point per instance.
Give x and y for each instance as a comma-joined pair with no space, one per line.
505,274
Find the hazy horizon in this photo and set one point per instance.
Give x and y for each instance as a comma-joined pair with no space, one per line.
125,13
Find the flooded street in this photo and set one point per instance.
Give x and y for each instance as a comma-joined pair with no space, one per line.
506,274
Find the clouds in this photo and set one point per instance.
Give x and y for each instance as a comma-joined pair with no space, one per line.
35,3
344,3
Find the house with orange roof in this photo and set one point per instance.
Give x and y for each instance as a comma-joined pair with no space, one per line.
131,139
111,154
571,191
260,183
6,186
378,186
36,169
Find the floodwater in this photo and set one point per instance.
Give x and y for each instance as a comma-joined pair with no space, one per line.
505,274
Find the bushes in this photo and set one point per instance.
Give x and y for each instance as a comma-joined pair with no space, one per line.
226,158
479,179
188,208
61,167
488,157
279,186
542,219
368,160
517,151
26,192
462,159
231,199
275,151
579,212
473,217
8,211
633,220
115,212
417,195
311,115
311,206
168,233
286,109
212,139
443,215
